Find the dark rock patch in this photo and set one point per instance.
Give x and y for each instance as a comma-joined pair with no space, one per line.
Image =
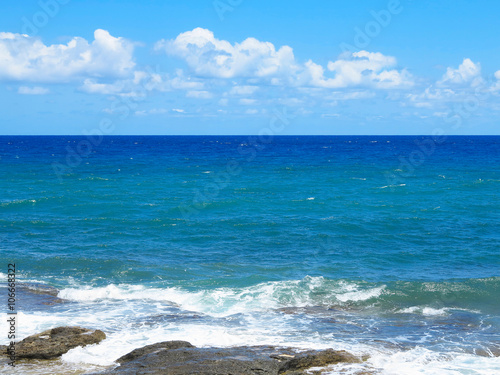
55,342
136,353
316,359
181,358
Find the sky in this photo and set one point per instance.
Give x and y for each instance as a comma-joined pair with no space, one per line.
151,67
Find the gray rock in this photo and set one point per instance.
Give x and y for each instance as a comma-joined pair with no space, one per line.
181,358
55,342
136,353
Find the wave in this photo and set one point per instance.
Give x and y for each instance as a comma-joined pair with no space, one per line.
425,298
310,291
400,325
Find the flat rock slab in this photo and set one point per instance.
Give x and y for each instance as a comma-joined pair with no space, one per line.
55,342
182,358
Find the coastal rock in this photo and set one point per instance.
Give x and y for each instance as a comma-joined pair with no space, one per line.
55,342
136,353
182,358
319,359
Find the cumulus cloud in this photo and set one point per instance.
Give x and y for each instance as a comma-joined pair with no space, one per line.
496,85
457,84
467,73
140,83
361,68
26,58
208,56
33,90
430,96
211,57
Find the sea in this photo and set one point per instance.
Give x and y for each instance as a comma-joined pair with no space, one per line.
385,246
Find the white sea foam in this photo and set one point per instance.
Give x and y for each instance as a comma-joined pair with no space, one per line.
391,186
310,291
431,311
221,302
268,328
418,361
424,310
361,295
421,361
264,314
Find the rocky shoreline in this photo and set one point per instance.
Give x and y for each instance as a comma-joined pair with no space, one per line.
182,358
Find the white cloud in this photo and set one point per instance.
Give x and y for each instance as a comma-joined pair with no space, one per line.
91,86
199,94
291,102
157,111
140,83
163,82
496,85
467,73
154,111
178,110
350,95
358,69
431,96
431,93
212,57
25,58
243,90
33,90
246,101
251,112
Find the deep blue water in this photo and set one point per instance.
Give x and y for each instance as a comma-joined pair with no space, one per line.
397,236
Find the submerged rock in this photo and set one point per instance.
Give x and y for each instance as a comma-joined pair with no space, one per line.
55,342
182,358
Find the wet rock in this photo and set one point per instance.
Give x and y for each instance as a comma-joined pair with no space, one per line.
168,345
181,358
55,342
297,365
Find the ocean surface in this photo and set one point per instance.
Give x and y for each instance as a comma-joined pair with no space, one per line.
382,246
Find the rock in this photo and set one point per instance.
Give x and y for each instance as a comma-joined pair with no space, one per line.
182,358
136,353
318,359
34,296
55,342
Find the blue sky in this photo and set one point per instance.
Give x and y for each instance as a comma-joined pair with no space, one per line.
233,66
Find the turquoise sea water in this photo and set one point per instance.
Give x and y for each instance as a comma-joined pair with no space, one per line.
387,246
